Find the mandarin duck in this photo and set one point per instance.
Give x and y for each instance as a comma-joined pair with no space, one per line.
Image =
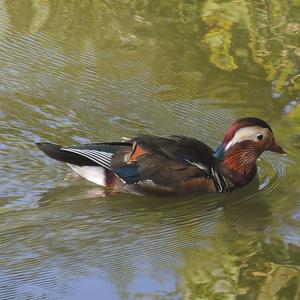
173,165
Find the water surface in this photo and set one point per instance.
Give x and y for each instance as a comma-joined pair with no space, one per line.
79,71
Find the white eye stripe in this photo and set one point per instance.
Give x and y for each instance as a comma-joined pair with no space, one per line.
229,145
247,133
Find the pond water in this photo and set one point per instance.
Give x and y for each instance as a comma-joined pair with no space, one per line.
79,71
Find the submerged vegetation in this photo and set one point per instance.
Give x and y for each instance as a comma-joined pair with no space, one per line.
247,274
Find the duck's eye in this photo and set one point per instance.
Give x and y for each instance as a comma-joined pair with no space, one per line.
259,137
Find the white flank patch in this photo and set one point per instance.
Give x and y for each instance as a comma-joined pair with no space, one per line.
91,173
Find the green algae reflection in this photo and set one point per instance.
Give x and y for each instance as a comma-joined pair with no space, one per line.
236,33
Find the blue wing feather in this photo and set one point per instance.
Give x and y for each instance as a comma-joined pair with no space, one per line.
129,174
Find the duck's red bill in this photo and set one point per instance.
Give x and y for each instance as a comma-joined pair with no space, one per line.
276,148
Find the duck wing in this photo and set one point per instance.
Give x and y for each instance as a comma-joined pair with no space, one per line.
166,161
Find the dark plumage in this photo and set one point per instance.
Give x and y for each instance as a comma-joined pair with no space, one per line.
174,165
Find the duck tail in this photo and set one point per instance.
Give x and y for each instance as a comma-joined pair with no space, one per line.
55,151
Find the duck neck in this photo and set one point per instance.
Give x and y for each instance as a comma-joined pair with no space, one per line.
239,163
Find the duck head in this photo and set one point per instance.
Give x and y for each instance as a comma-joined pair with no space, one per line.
244,141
